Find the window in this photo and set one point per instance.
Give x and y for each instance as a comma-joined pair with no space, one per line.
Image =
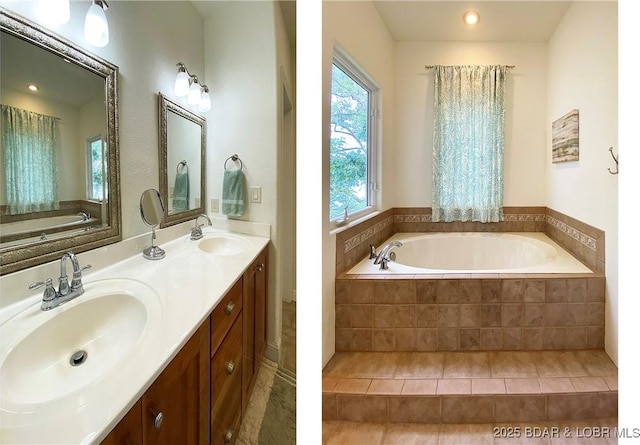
353,129
96,169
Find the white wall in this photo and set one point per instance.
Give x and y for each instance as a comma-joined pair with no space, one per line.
371,46
242,66
582,74
147,39
525,109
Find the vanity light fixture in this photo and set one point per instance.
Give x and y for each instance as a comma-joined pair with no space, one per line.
96,28
54,12
471,17
187,84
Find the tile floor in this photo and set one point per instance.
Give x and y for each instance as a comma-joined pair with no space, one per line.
596,432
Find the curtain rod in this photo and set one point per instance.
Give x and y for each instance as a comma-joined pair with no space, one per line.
45,115
429,67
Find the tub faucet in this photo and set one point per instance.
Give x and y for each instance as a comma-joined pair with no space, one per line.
382,257
85,216
196,232
66,292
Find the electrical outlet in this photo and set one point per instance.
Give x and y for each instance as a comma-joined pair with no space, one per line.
215,205
256,194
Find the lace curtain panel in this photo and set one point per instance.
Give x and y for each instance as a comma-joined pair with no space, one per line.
30,166
468,143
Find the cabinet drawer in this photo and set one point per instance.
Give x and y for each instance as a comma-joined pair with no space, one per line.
225,314
226,387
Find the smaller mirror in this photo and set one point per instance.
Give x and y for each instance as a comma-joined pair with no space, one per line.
152,213
182,162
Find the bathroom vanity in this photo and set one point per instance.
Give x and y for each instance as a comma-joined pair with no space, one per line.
190,372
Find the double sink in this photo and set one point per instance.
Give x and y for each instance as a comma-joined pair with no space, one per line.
48,356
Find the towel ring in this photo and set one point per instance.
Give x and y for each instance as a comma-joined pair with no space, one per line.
234,158
183,164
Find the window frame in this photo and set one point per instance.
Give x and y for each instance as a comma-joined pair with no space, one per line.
352,69
89,171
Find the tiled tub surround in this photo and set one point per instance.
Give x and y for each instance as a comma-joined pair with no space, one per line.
449,312
583,241
469,387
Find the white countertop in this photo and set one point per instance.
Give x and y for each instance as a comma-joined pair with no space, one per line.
189,284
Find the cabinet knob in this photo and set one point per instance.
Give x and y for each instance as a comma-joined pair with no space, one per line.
230,307
157,419
260,267
230,367
228,435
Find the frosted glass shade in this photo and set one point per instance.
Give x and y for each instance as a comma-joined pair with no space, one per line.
54,12
205,102
194,94
181,87
96,28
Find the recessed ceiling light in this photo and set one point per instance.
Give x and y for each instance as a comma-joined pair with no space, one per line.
33,87
471,17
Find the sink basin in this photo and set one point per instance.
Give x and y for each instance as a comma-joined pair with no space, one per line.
223,244
46,356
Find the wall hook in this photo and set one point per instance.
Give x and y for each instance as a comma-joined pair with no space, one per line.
615,159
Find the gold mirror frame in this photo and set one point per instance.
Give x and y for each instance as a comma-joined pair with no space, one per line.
166,105
20,257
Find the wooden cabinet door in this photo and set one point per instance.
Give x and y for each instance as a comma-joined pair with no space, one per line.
254,322
176,409
129,430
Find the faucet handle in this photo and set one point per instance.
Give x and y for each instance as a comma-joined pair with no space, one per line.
372,252
49,293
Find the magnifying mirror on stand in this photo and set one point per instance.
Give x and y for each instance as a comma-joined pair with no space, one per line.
152,212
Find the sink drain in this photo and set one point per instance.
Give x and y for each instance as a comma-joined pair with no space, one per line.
78,358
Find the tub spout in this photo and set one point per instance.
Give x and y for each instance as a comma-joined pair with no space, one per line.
382,256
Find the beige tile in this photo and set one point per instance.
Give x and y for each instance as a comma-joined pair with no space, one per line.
469,339
405,316
427,315
420,387
426,339
454,386
576,290
534,315
597,363
571,406
357,408
345,433
411,434
466,364
491,291
522,386
383,316
385,386
414,409
559,364
384,340
469,315
361,340
448,315
512,364
515,408
589,384
352,386
549,385
556,291
448,291
611,381
426,291
329,407
361,365
490,315
488,386
461,410
405,339
419,365
534,291
328,383
466,434
448,339
513,291
469,291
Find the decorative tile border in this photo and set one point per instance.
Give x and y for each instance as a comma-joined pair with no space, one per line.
362,237
574,233
507,217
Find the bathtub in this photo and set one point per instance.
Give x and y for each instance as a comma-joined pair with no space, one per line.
41,224
474,252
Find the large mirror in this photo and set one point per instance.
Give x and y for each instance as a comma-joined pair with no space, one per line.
182,161
59,168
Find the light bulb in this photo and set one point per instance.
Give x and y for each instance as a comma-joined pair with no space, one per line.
54,12
181,87
471,17
96,28
194,93
205,102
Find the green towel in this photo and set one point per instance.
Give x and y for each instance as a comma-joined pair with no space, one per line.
181,193
233,193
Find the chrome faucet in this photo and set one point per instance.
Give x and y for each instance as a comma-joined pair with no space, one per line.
196,232
85,216
66,292
382,257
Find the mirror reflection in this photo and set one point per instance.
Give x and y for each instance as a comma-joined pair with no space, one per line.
182,178
58,146
52,147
